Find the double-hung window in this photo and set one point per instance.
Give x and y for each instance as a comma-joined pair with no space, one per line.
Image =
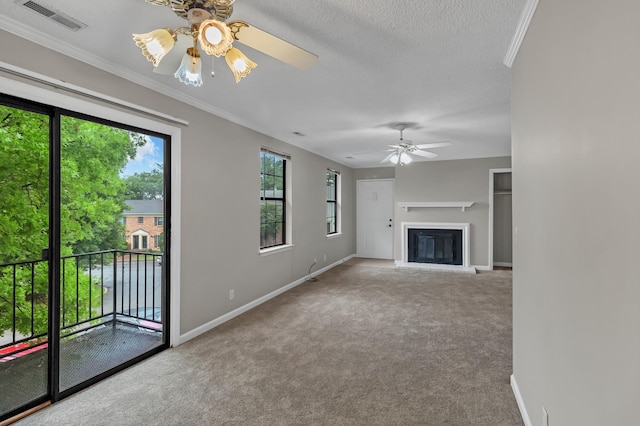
273,210
332,201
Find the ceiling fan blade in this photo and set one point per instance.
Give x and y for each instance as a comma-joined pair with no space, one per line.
426,154
272,45
171,61
433,145
388,157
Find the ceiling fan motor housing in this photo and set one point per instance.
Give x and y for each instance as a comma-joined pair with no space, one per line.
220,9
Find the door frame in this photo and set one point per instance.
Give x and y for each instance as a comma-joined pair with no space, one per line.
492,174
101,108
393,211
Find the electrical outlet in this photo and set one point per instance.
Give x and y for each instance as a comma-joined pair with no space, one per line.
231,294
545,417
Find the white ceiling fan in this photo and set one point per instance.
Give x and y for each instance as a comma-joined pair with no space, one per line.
401,152
208,29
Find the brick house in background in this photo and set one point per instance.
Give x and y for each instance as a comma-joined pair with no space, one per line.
144,222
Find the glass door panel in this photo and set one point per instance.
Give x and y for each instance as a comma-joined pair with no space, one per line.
111,283
24,268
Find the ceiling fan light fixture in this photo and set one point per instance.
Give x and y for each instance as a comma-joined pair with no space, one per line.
190,71
405,158
155,44
215,37
239,64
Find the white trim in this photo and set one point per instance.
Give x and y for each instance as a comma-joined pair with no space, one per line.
61,100
503,264
492,173
90,94
336,235
406,205
520,401
521,30
436,267
242,309
466,246
176,243
273,250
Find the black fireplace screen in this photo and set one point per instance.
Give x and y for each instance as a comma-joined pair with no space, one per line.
443,246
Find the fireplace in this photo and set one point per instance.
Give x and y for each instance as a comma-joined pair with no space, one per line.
442,246
439,246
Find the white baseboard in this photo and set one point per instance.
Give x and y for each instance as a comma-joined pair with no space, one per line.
482,268
242,309
504,264
520,401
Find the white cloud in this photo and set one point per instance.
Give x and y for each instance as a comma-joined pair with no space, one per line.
149,149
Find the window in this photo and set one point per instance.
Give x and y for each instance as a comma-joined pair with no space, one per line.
155,241
140,219
332,201
159,221
136,242
272,199
124,220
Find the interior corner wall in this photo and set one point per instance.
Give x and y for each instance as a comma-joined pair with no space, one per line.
576,204
453,180
220,206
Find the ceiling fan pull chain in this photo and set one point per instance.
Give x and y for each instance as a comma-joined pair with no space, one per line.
213,74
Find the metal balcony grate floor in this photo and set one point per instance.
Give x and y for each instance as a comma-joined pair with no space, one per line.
81,358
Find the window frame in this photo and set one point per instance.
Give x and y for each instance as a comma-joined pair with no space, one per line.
284,200
140,220
158,220
335,202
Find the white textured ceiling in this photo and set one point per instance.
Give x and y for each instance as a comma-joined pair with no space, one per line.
435,64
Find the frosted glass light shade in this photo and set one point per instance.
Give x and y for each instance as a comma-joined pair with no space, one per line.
190,71
215,37
239,64
155,44
394,158
405,158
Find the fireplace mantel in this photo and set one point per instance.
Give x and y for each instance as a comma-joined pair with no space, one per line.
406,205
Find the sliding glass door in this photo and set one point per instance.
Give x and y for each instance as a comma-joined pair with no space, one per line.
83,215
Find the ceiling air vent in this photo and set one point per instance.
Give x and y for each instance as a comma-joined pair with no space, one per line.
65,20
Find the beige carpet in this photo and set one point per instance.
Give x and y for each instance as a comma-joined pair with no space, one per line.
368,344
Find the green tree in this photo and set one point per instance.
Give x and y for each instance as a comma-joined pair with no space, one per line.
92,201
145,185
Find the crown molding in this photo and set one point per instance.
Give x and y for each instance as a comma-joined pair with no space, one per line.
521,30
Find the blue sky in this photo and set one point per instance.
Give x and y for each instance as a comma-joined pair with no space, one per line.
147,157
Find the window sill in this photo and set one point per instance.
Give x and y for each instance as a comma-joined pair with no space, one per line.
274,250
336,235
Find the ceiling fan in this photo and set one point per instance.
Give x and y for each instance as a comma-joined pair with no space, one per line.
401,152
176,51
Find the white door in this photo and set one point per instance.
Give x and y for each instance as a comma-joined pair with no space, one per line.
375,218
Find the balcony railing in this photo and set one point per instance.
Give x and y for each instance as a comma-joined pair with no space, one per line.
96,289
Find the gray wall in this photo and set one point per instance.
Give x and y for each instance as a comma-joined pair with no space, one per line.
576,144
454,180
375,173
220,208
